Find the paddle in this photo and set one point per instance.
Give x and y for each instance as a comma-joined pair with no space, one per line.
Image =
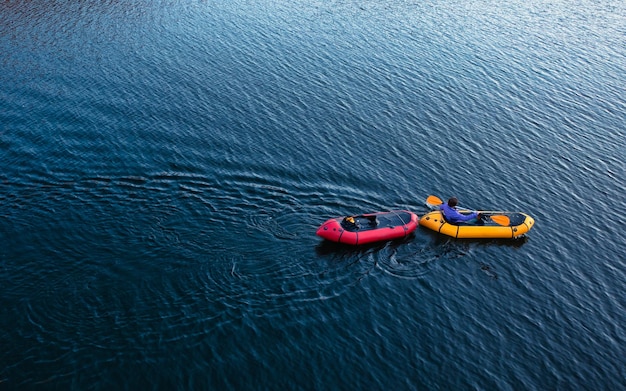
433,201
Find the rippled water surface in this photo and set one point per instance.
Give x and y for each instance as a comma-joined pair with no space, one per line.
164,166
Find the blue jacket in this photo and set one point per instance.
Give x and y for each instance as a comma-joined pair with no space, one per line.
453,216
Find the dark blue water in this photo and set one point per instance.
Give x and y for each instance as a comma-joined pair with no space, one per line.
164,166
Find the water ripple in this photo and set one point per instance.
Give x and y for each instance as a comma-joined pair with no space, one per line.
165,167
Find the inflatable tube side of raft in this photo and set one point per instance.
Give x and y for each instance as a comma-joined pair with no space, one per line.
524,227
331,230
479,232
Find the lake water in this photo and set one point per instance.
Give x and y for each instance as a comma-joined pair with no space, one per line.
165,164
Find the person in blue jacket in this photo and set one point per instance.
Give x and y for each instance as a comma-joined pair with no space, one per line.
453,216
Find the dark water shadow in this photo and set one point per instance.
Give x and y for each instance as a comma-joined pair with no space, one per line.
326,247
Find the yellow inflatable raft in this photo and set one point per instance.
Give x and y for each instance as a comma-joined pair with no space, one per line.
504,225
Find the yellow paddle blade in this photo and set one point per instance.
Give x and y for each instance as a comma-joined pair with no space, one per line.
501,220
433,201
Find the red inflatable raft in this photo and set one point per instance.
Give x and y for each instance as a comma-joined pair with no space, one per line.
369,228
